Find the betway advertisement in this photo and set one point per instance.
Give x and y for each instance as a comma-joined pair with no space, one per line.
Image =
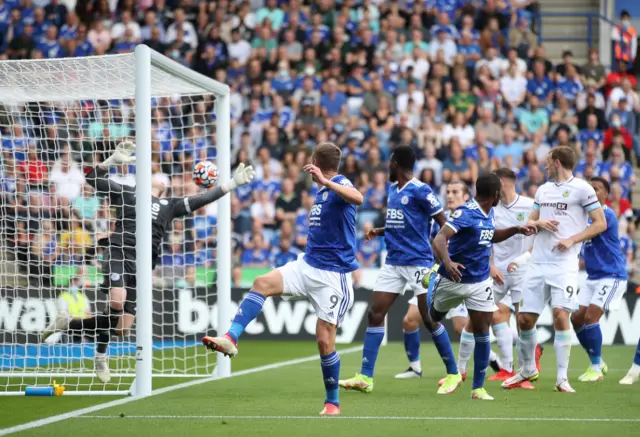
185,314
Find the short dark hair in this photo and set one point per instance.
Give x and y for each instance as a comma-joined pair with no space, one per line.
465,188
487,185
565,155
506,173
327,156
405,157
603,181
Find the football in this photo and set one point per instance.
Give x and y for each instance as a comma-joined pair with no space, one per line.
205,174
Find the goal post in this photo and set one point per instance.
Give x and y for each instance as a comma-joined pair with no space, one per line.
67,97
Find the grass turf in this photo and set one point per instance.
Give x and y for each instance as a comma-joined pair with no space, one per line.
286,401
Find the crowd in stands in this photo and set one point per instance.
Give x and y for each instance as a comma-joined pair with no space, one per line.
464,83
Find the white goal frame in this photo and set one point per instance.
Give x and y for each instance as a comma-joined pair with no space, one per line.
147,59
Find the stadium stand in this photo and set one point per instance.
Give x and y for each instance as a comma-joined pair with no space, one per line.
467,84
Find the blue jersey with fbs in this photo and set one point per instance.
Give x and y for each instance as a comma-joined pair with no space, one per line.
331,243
602,254
435,227
471,243
406,230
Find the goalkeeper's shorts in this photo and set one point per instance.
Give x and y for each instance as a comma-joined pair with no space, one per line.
119,270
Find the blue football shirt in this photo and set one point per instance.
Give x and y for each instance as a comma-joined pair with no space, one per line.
407,228
471,243
331,243
602,254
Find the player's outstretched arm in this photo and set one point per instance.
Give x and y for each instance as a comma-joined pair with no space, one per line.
598,226
242,176
440,245
504,234
347,192
98,177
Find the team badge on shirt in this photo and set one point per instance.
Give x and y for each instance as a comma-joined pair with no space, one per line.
164,202
325,195
565,194
520,216
404,200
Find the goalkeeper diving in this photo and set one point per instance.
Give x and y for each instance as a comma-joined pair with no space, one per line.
119,261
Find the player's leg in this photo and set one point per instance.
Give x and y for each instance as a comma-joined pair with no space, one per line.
535,294
480,304
633,374
411,329
442,295
331,295
504,338
270,284
467,344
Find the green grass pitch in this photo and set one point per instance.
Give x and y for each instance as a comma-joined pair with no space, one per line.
285,401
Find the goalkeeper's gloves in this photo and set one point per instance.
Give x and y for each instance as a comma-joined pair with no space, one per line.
242,176
122,155
521,260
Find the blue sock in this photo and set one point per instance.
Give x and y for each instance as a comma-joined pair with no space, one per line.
636,359
372,341
249,309
481,354
582,337
443,344
412,345
593,342
330,365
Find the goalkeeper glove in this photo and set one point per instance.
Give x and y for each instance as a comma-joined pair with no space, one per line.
122,155
242,176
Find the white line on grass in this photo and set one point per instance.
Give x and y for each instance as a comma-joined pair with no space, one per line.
482,419
71,414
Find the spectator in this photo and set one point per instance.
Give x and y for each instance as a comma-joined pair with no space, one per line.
590,161
368,251
456,164
188,30
288,203
513,87
625,174
624,91
257,253
76,243
594,70
540,85
592,109
373,97
445,44
509,147
534,119
486,124
86,206
34,169
333,102
99,37
523,39
625,40
626,114
591,133
460,129
492,37
617,134
126,22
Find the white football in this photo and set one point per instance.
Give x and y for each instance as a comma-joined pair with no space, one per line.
205,174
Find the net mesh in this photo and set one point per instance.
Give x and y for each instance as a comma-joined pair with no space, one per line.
58,118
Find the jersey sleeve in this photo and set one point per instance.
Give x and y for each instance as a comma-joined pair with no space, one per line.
186,205
345,182
429,201
460,219
588,198
536,200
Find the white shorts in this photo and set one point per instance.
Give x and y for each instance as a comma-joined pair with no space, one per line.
605,293
330,293
511,290
555,283
448,295
459,311
395,279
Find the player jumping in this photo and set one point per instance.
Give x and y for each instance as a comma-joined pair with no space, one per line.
560,213
606,284
322,275
464,246
409,258
119,263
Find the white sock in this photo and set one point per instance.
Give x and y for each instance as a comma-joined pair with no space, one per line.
528,343
514,334
99,355
505,345
635,369
494,357
519,354
467,344
416,366
562,345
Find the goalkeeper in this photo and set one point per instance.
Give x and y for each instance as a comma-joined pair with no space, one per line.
119,263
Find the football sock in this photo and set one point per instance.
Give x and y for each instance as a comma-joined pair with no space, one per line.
412,348
636,359
372,341
249,309
562,346
480,359
514,334
467,344
504,338
330,365
443,345
519,354
528,343
590,337
104,323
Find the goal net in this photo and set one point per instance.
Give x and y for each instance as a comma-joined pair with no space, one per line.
59,119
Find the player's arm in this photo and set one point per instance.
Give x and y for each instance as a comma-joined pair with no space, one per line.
98,177
373,233
440,245
535,220
504,234
598,226
344,189
242,176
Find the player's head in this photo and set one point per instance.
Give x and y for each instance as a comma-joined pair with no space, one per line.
602,188
327,157
560,158
508,179
157,188
488,187
403,159
457,195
